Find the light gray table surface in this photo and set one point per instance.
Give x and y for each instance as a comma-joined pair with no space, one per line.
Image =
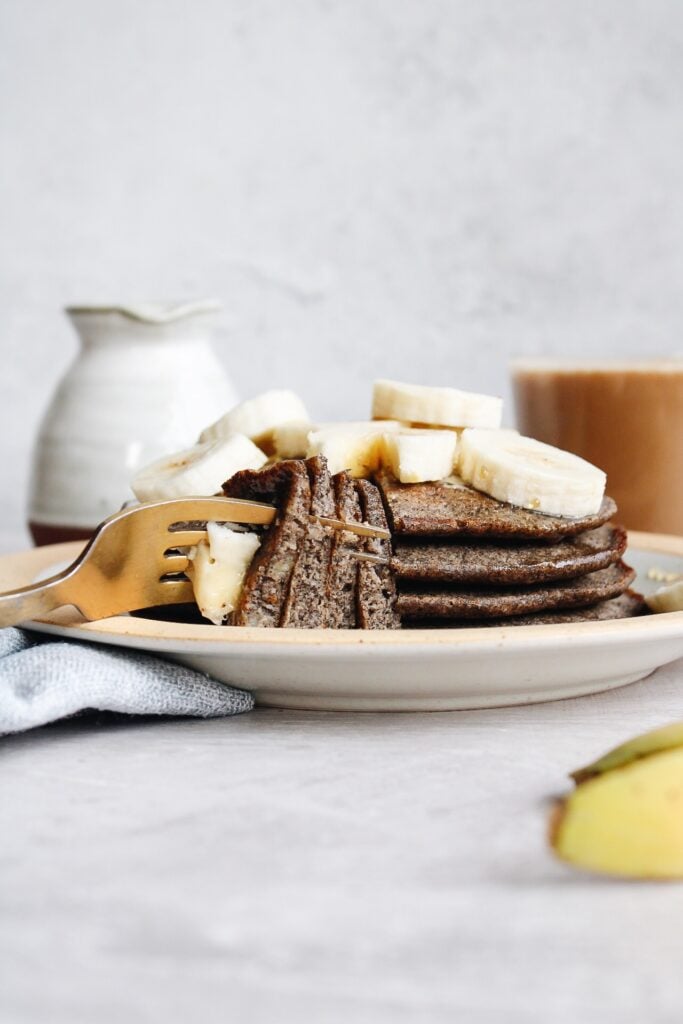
288,866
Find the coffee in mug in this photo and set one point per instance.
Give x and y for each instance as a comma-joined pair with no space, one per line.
625,417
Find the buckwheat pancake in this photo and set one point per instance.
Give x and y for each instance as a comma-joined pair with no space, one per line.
626,606
429,602
450,509
305,575
342,583
266,586
490,563
376,603
307,601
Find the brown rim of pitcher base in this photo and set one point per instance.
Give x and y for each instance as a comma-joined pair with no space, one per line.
43,534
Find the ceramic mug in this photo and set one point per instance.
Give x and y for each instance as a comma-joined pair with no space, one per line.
625,417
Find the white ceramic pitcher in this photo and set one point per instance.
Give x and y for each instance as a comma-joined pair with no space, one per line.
144,384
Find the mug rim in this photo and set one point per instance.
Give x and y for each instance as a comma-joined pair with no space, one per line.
672,363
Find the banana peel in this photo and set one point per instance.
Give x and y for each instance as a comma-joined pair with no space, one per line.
625,816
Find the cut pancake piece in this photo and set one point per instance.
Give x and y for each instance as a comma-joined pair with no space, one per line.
307,601
376,601
342,580
306,575
448,508
626,606
491,564
265,589
460,603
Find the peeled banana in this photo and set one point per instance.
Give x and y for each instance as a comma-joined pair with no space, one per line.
217,569
355,447
528,473
441,407
415,456
290,439
258,417
197,472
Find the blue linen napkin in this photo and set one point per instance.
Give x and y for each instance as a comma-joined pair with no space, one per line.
43,679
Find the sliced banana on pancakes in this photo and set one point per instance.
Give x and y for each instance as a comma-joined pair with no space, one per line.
290,439
417,456
355,446
440,407
198,471
258,417
530,474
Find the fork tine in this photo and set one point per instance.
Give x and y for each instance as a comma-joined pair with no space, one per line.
190,512
222,510
360,529
362,556
184,538
175,592
175,563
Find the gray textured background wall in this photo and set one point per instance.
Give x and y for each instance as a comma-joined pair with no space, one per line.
416,188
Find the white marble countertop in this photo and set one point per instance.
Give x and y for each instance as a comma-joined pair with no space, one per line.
327,867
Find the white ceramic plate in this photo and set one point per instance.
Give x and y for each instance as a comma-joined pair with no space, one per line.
416,670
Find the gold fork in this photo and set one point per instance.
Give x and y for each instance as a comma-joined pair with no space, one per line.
132,560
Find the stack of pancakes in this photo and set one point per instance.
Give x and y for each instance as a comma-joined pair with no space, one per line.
462,558
457,557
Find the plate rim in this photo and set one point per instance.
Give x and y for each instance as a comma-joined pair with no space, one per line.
19,568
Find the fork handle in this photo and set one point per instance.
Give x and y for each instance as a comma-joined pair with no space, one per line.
29,602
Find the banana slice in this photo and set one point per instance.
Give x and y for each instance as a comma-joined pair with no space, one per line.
667,599
442,407
355,447
415,456
258,417
290,440
217,569
530,474
199,471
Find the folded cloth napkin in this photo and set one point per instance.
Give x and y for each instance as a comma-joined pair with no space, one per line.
42,679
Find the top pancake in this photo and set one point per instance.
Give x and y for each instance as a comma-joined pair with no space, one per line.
442,509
